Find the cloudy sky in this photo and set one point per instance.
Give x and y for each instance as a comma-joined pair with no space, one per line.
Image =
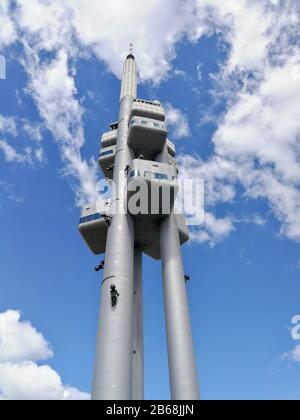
228,74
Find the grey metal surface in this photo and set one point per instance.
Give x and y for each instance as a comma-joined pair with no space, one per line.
147,136
152,189
147,235
113,367
119,366
149,109
106,160
182,363
171,148
93,227
109,138
138,329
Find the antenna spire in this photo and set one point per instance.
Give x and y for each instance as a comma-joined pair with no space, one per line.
130,55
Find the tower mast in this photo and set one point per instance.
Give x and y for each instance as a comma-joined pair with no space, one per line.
138,157
113,368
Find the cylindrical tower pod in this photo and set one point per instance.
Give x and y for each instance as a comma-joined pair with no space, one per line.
138,329
113,367
182,364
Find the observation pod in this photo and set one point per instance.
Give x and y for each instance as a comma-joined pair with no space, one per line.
171,149
93,227
171,153
147,235
152,189
147,136
106,160
109,138
148,109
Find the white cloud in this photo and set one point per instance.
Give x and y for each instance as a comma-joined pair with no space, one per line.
107,28
8,125
199,72
293,355
260,131
153,27
53,89
33,131
178,122
7,190
7,33
24,152
251,128
40,155
28,381
11,155
213,230
70,30
45,24
249,23
257,141
219,175
20,341
255,219
21,378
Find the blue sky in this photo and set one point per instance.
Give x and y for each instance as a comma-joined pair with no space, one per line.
231,90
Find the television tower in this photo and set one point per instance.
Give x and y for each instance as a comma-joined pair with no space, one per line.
136,154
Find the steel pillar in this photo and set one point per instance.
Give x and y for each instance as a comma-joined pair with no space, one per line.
182,364
138,329
113,367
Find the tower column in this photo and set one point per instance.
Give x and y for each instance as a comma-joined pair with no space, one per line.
138,330
182,364
113,367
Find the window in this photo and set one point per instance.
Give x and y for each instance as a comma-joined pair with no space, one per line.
144,122
148,174
134,173
106,153
162,177
156,175
91,218
156,125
